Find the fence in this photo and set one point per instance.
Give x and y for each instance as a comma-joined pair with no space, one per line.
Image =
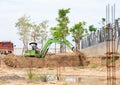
99,36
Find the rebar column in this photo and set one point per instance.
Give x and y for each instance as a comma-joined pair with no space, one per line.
110,46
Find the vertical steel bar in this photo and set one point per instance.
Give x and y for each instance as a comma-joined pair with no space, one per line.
110,45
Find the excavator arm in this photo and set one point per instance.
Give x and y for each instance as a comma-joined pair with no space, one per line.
49,42
43,52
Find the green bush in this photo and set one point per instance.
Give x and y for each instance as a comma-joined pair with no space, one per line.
31,75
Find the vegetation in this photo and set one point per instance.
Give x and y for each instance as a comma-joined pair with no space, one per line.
94,66
31,75
78,32
51,68
103,22
61,30
65,83
92,28
31,32
24,27
86,67
39,32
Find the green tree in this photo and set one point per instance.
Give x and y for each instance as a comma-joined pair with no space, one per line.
55,34
103,22
92,28
24,27
61,31
78,32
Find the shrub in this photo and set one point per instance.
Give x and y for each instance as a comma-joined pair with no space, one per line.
31,75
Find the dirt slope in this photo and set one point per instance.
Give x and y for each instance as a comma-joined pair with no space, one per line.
62,59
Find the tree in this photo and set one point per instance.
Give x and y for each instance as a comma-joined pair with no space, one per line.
92,28
78,32
61,30
63,21
24,27
31,32
103,22
55,34
44,31
39,32
35,33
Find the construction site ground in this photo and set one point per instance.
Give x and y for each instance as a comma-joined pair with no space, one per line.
15,70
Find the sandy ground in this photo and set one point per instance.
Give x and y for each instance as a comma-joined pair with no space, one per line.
19,76
93,74
87,76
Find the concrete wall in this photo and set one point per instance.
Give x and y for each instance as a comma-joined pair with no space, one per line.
97,50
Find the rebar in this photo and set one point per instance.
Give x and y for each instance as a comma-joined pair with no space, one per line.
110,45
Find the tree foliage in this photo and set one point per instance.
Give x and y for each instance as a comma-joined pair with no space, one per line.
92,28
44,32
24,27
61,31
78,32
39,32
31,32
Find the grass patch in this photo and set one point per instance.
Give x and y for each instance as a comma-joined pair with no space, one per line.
31,75
0,83
94,66
65,83
51,68
86,67
80,67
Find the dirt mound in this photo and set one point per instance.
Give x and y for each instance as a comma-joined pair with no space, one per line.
62,59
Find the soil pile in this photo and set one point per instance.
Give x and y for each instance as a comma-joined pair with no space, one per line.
62,59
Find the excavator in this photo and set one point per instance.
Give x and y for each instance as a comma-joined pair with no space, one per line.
35,52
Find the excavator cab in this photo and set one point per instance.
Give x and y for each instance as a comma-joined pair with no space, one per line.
34,47
34,51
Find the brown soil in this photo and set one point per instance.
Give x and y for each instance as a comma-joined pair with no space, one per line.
59,60
22,65
62,59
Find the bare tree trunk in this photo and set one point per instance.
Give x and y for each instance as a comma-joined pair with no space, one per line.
25,47
78,44
62,48
55,48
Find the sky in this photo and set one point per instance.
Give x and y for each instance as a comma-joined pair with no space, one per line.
90,11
